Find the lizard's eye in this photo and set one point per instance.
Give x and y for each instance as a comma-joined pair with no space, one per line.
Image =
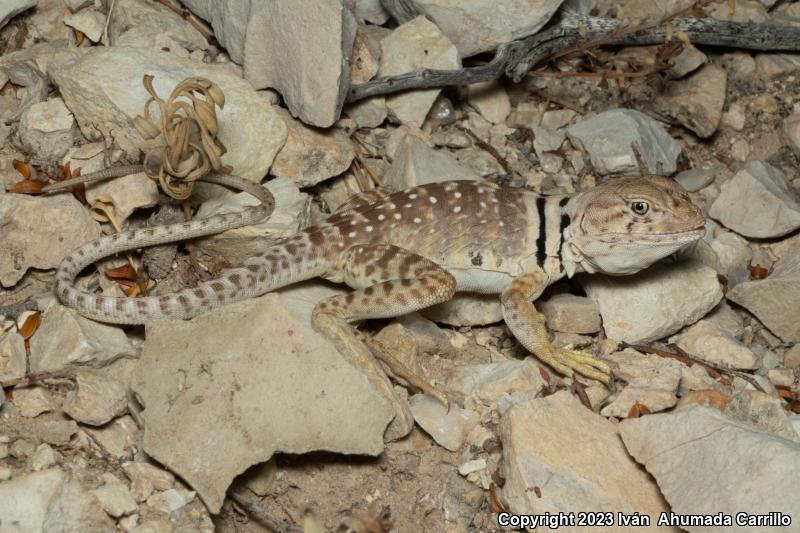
639,207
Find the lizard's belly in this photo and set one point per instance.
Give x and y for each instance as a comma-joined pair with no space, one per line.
480,280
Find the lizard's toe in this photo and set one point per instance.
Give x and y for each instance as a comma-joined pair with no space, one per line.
583,363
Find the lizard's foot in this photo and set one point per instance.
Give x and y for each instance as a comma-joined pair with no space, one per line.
400,371
569,361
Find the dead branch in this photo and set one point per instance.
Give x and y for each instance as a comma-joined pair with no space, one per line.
574,33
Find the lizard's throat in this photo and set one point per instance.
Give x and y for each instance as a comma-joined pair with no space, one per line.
617,254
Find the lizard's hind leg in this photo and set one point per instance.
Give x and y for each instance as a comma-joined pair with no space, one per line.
389,282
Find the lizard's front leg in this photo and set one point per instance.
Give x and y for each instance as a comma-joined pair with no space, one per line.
390,282
528,326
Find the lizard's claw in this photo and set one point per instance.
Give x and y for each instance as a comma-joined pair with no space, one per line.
569,361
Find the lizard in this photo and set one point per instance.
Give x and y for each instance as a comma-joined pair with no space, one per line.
404,251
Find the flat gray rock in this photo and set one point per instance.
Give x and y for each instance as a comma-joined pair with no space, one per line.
707,463
607,138
775,300
11,8
575,458
275,44
28,243
311,155
757,189
695,102
233,394
417,44
67,340
490,23
416,163
654,303
449,428
50,501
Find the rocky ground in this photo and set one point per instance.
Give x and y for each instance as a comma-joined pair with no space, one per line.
148,429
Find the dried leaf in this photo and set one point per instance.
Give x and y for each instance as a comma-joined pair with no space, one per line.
30,325
786,394
758,272
638,410
537,491
22,168
494,501
127,277
668,32
582,30
79,37
545,374
27,187
707,397
103,210
580,389
794,407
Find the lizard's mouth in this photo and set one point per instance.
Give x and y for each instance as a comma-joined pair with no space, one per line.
669,237
666,238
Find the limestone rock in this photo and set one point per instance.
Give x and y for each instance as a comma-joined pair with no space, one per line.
763,411
12,356
89,22
416,163
576,459
151,24
32,401
607,138
695,102
96,399
706,463
118,437
491,100
757,189
103,88
448,428
287,368
695,179
733,257
415,45
370,10
114,496
791,126
490,23
311,156
129,192
776,299
466,309
50,501
571,314
46,129
28,243
708,342
491,382
652,382
11,8
66,340
654,303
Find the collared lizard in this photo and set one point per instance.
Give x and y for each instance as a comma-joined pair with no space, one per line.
407,250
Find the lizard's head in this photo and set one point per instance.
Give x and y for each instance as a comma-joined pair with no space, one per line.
626,224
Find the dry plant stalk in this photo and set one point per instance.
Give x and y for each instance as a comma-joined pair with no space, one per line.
191,148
